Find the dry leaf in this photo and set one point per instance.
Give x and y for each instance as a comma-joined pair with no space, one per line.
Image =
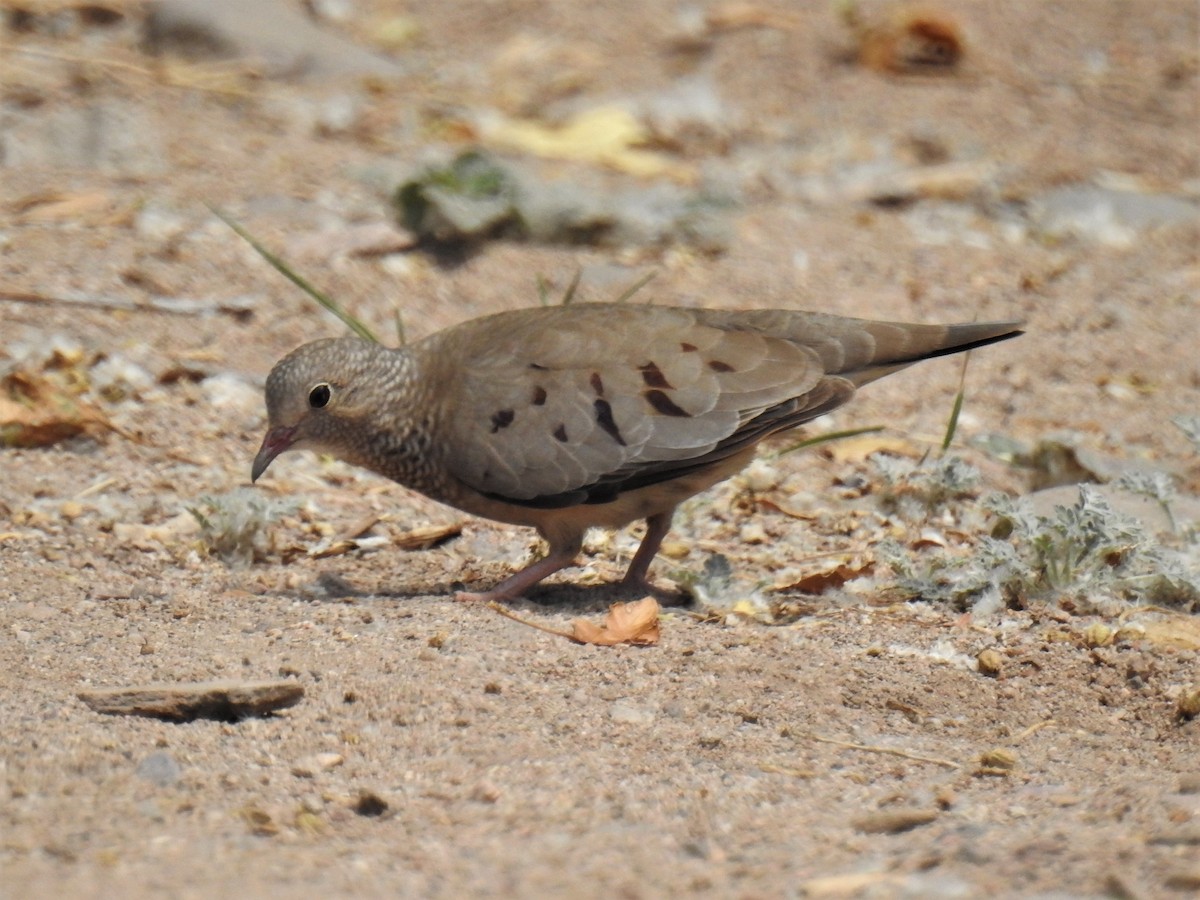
626,623
782,506
737,14
1179,632
97,207
35,412
834,575
914,40
427,536
608,135
857,449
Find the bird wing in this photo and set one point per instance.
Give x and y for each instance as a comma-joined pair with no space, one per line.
560,406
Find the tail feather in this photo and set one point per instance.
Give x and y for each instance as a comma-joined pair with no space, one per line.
897,346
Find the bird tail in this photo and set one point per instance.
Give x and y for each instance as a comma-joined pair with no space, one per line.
895,346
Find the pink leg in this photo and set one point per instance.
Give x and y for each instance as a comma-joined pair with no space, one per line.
517,584
657,527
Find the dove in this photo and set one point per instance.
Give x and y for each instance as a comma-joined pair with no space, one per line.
566,418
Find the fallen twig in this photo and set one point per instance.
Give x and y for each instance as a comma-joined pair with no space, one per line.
176,306
890,751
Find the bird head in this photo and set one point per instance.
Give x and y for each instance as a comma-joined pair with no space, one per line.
317,397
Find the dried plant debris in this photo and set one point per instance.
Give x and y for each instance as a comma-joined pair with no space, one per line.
37,410
1190,426
234,525
626,623
894,821
1086,556
225,701
910,39
914,490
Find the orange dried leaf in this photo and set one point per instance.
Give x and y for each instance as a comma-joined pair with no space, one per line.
914,40
832,576
626,623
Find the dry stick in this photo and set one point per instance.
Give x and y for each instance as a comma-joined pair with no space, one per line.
169,305
509,614
1034,728
891,751
160,76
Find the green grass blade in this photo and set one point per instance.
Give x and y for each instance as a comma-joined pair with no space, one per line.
569,294
636,286
826,438
952,425
297,279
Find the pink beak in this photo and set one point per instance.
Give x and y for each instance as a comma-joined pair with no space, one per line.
276,441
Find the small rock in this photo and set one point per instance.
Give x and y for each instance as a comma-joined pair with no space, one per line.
71,510
1190,783
227,391
1185,880
160,768
1113,217
631,714
485,792
989,662
760,476
110,137
1097,635
1189,703
894,821
1181,837
273,34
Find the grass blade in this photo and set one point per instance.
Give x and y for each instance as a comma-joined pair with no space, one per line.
826,438
636,286
297,279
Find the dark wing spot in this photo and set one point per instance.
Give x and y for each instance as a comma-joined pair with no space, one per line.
688,348
653,376
717,366
597,384
604,418
560,433
539,395
502,419
536,366
663,404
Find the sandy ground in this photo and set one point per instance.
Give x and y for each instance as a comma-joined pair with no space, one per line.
850,749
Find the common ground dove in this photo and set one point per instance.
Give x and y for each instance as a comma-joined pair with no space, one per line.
568,417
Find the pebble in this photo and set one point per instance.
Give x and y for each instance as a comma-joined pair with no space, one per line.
275,34
161,768
630,713
1189,783
894,821
989,662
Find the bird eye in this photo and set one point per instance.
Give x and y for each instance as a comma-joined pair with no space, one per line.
319,396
